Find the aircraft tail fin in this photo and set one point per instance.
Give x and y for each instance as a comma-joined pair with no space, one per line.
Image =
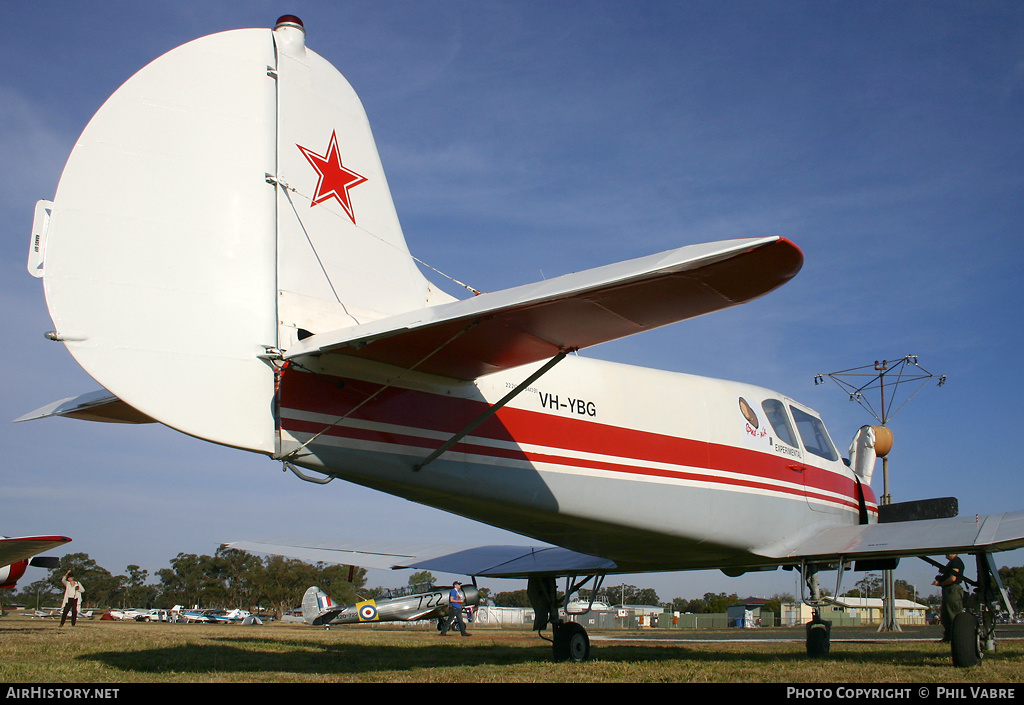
225,202
316,604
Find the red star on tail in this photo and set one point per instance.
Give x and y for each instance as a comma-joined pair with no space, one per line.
335,179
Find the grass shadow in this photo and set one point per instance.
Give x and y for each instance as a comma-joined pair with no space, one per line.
309,657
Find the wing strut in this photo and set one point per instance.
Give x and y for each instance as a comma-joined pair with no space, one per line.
492,409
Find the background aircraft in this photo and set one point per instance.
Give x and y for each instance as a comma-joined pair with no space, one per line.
420,602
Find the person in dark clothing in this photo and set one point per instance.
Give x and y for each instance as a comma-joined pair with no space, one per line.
950,579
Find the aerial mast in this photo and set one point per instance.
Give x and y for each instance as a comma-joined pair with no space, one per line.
890,379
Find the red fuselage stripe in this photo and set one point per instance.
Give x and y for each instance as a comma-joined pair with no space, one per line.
334,398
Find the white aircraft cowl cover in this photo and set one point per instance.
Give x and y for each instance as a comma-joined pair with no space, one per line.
862,453
160,253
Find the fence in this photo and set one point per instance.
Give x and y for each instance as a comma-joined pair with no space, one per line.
522,618
503,617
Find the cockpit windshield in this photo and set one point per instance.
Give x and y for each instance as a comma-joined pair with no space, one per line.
777,417
815,437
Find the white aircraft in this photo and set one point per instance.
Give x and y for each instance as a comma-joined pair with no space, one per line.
190,615
18,553
223,256
231,616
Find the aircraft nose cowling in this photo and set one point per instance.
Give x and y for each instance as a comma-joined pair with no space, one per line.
472,595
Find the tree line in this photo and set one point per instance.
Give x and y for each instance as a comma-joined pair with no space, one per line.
231,578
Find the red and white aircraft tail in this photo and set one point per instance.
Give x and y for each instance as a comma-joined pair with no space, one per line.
228,203
227,200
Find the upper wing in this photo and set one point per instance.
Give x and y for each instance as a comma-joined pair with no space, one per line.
504,329
491,561
19,548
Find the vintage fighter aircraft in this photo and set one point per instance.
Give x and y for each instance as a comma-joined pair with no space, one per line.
18,553
428,602
223,256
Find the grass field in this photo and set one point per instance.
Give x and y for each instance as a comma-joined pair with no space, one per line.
37,651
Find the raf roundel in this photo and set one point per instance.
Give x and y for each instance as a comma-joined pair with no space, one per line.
368,612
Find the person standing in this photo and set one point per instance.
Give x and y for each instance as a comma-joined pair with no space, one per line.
951,579
72,595
456,601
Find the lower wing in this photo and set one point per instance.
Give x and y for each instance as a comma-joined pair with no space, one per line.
971,534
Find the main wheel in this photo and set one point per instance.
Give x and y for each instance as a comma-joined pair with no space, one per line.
818,638
571,642
965,641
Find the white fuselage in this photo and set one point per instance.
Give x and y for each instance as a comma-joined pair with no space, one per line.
652,469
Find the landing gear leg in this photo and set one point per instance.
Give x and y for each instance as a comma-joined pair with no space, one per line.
570,641
543,596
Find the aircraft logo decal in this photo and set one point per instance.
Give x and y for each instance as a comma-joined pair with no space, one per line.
748,413
335,179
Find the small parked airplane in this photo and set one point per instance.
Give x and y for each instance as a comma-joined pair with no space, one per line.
18,553
55,612
223,256
228,616
319,609
190,615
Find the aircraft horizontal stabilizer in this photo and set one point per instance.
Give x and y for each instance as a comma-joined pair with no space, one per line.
490,561
929,537
504,329
100,405
19,548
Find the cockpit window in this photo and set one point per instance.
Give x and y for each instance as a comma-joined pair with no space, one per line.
777,417
813,433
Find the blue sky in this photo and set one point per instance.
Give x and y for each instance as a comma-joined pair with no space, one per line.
529,139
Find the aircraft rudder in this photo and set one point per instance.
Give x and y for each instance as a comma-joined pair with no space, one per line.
343,258
314,603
